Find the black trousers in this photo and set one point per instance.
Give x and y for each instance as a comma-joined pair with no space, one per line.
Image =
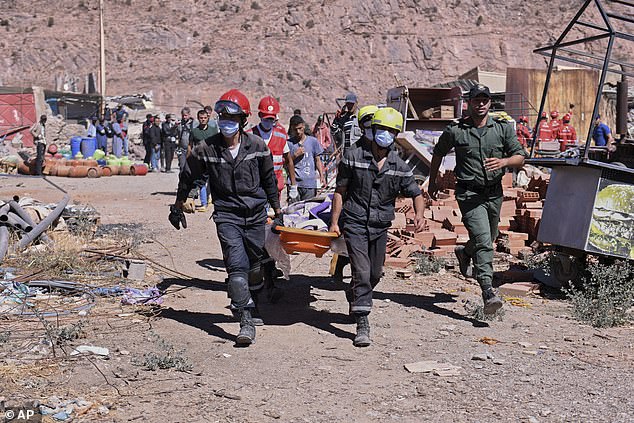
169,148
242,250
148,152
367,255
39,158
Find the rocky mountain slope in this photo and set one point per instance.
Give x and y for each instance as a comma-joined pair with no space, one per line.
305,52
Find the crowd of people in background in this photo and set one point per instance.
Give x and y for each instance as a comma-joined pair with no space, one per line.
111,131
310,150
324,142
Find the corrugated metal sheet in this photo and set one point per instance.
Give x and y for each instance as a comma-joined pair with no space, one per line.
576,86
18,110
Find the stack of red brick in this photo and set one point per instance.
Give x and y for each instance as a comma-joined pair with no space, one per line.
519,222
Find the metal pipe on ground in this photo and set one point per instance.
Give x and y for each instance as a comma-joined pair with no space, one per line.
4,242
44,224
15,221
4,209
25,216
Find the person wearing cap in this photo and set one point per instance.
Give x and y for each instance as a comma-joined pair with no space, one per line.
369,178
305,152
241,168
566,134
38,131
484,147
345,128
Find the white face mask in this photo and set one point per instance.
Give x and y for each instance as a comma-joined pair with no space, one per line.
384,138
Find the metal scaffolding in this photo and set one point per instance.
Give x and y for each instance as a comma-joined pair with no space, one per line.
607,25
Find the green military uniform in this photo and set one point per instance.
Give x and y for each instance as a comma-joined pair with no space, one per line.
479,193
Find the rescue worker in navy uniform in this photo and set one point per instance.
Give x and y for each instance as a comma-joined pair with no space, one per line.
364,118
241,168
369,178
484,148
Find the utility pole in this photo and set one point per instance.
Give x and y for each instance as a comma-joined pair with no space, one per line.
102,61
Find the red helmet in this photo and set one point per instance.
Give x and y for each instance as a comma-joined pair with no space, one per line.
268,107
233,102
567,117
554,114
524,119
544,115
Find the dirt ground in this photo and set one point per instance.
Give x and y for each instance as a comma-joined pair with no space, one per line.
545,366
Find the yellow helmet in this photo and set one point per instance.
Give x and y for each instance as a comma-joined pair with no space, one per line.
366,112
388,117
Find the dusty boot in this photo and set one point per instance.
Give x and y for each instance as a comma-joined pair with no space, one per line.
363,332
492,302
246,336
464,262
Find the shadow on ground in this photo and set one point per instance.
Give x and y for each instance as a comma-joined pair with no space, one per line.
167,193
295,306
217,265
430,304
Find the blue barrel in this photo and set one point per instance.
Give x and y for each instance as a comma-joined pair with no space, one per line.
75,146
88,146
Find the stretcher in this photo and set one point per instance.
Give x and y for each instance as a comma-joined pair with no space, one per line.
295,240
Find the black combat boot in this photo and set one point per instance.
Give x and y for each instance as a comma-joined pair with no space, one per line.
246,336
363,332
492,302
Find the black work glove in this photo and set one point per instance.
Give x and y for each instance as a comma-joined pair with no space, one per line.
277,221
177,217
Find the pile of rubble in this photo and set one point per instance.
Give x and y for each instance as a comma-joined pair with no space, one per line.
520,217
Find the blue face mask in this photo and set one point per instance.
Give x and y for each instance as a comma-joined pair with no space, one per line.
228,127
383,138
267,124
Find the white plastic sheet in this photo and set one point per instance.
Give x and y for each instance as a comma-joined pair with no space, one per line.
274,247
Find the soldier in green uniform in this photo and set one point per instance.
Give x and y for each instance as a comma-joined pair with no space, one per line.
484,147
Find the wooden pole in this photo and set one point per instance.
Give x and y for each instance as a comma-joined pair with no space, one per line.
102,60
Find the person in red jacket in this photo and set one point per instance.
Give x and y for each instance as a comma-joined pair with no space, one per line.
545,133
523,132
566,135
555,122
275,136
